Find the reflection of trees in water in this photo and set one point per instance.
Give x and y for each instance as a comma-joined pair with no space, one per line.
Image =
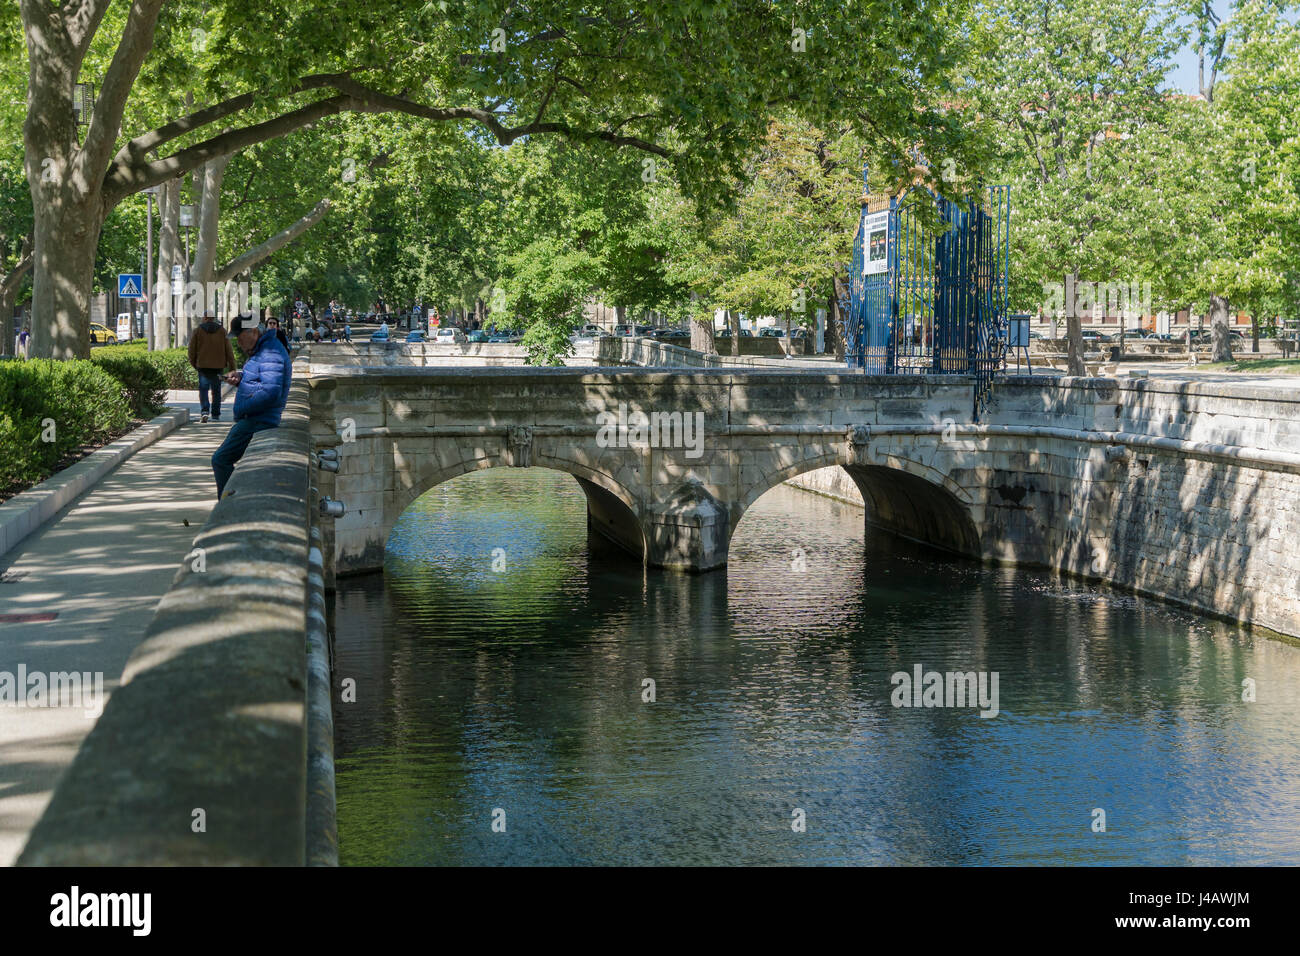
766,677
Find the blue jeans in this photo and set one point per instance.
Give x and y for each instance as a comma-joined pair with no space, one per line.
233,448
210,380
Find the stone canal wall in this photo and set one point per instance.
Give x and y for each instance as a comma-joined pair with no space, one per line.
832,483
1183,491
1187,491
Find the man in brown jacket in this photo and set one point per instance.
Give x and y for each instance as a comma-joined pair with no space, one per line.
211,355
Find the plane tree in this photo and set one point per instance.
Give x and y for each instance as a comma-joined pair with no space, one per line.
630,74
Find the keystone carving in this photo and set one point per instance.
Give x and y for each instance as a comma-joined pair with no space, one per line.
858,439
520,440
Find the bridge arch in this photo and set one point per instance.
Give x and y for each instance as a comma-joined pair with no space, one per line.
611,509
904,497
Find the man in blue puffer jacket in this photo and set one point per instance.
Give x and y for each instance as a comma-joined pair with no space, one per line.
263,390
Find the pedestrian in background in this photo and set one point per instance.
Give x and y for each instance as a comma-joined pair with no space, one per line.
273,325
210,356
24,340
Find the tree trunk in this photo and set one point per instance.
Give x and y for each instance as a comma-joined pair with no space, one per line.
1074,346
66,177
733,322
1254,333
1222,348
834,316
9,287
203,269
7,331
701,328
169,205
67,236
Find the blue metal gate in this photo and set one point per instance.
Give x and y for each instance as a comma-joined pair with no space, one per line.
928,290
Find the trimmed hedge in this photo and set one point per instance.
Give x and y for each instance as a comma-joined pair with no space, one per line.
172,364
175,367
142,380
74,403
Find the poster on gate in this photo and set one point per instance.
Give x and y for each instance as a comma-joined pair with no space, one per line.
875,243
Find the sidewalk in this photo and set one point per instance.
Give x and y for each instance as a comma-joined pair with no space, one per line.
98,570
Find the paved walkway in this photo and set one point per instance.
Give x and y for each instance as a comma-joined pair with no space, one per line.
101,566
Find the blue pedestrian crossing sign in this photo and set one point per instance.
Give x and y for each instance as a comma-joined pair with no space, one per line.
130,285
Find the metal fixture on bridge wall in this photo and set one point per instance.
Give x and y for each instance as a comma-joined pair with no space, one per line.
928,286
329,508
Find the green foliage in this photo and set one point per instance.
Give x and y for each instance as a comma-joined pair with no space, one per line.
549,283
75,402
1073,98
172,365
140,376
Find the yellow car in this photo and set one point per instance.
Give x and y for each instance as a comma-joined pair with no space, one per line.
99,334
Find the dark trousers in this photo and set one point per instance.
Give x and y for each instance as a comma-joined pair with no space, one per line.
233,448
210,379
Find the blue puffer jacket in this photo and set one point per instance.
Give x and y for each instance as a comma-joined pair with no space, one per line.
265,386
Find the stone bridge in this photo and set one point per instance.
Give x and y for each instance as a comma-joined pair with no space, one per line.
1187,492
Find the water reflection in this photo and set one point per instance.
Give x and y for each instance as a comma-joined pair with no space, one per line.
518,685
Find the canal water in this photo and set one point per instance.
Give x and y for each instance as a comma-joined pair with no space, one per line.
502,713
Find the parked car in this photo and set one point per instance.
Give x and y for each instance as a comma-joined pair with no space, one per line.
478,335
379,335
101,334
449,335
505,335
590,328
771,332
415,335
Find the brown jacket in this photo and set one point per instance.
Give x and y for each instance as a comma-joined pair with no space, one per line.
210,349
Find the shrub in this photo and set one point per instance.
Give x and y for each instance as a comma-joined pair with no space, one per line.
74,403
173,364
142,379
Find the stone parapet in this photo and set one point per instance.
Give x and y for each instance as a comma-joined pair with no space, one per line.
201,757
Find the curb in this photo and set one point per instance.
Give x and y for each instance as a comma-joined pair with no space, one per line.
24,514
